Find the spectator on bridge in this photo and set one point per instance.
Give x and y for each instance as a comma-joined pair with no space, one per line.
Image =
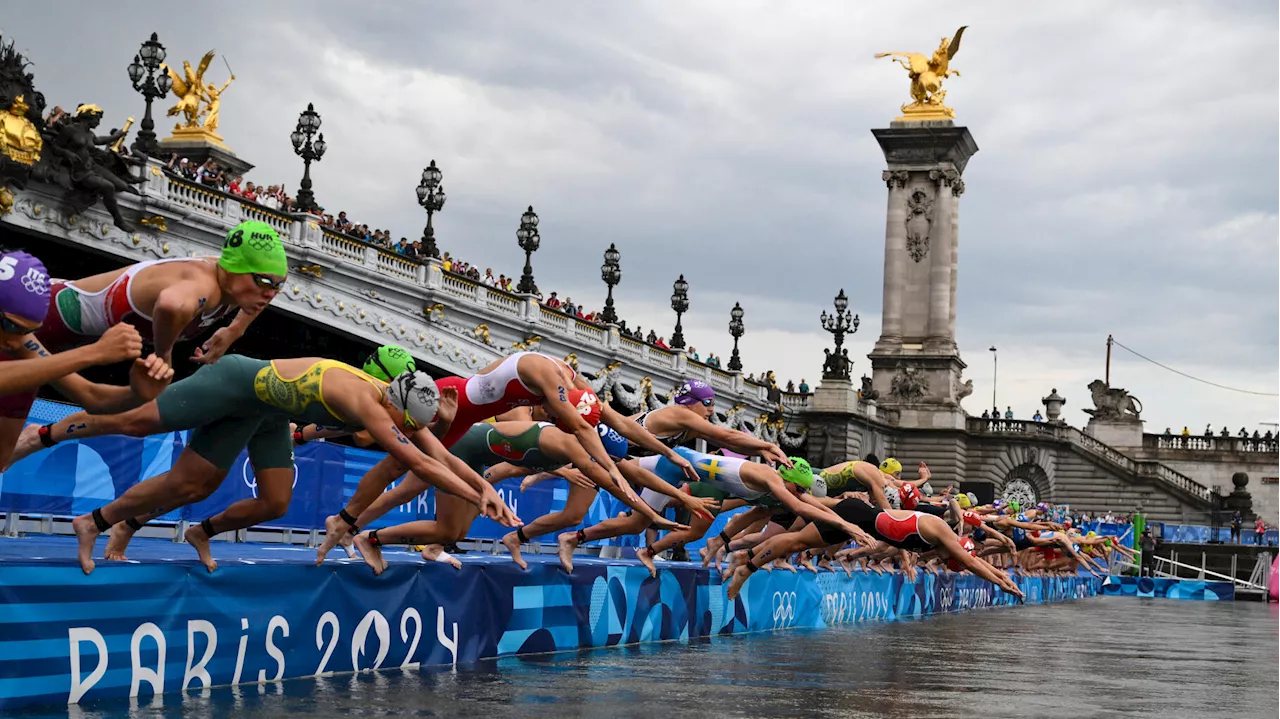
791,386
1226,432
1008,412
1148,545
1259,529
1167,432
661,342
986,414
1208,430
1185,432
1037,417
1237,521
652,337
804,386
1244,433
1256,435
1267,437
693,354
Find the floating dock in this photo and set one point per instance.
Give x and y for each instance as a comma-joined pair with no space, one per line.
160,623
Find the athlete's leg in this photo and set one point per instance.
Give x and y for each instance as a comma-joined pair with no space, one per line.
138,422
781,545
10,429
370,542
575,508
698,526
183,484
372,486
619,526
738,523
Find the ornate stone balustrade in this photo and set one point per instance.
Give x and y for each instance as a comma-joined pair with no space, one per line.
375,294
1045,430
1192,443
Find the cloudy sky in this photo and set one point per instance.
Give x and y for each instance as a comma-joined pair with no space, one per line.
1126,182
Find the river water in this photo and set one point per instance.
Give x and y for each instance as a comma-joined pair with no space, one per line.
1100,657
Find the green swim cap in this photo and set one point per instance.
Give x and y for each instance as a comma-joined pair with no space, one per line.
388,361
1015,507
799,473
253,247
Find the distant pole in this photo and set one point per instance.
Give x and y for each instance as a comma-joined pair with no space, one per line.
1108,378
995,377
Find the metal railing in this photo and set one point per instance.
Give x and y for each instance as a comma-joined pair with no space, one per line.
1167,567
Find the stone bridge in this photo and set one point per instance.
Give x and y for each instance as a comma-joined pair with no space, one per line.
354,288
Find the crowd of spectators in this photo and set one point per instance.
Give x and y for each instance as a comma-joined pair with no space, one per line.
995,414
1226,433
274,197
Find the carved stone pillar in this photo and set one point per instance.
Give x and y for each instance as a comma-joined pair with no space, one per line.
895,259
916,366
941,336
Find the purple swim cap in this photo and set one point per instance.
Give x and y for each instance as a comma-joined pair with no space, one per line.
24,286
694,391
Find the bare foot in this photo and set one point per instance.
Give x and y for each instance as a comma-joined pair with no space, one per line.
711,551
28,444
86,534
334,530
199,541
825,563
740,576
436,553
371,555
348,545
568,542
807,563
646,558
118,542
512,542
782,563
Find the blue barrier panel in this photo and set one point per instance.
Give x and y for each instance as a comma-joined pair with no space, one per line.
142,629
1171,588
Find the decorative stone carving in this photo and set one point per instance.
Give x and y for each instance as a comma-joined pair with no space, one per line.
919,221
867,393
963,389
1112,403
895,178
908,385
836,366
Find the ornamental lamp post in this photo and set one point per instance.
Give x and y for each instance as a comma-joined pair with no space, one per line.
611,273
529,240
736,330
679,303
308,126
142,72
995,378
841,323
431,196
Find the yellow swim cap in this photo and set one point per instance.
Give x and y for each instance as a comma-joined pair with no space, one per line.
891,466
963,501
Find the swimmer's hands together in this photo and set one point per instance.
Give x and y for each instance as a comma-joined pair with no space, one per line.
216,346
121,342
448,407
689,472
149,377
700,506
773,454
667,525
924,472
577,477
492,506
857,534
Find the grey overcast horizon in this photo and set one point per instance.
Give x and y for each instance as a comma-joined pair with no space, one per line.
1126,181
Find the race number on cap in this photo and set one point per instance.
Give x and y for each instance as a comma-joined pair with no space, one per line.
586,403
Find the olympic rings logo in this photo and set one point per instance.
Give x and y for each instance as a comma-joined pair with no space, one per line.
784,609
251,481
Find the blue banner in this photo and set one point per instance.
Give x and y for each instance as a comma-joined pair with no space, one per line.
1171,588
143,629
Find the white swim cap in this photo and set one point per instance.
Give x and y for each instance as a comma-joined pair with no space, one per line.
819,488
415,394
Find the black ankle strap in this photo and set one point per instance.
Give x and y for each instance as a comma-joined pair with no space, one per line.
99,521
207,526
133,523
45,433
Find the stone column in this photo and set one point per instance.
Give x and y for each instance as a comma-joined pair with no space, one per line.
941,269
895,258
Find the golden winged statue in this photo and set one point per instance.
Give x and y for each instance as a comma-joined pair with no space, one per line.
927,74
188,87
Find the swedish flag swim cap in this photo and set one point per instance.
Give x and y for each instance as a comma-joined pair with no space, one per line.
388,361
253,247
799,473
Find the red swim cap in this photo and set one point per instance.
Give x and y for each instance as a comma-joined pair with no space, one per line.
967,544
587,404
909,495
972,519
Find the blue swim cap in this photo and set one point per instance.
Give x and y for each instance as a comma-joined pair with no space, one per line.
615,445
